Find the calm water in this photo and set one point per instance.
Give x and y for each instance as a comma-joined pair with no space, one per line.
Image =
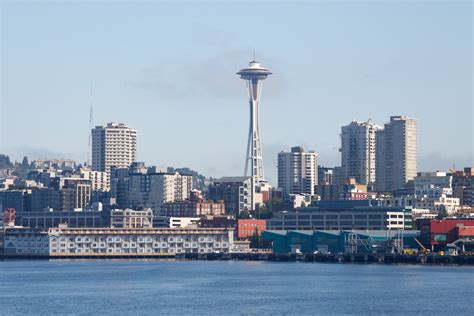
249,288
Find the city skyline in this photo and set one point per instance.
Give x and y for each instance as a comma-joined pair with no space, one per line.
135,84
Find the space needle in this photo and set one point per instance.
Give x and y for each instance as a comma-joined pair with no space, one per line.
254,74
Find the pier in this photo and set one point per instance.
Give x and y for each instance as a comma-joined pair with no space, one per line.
429,259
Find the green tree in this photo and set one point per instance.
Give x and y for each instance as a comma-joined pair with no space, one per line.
256,241
5,162
24,163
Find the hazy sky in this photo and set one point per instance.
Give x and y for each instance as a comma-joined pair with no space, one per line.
168,69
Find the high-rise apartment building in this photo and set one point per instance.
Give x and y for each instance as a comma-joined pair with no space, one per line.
396,153
114,145
358,151
297,171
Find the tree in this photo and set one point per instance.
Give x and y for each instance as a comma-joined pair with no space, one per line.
442,213
25,164
5,162
256,241
244,215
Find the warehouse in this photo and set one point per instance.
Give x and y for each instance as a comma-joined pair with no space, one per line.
335,241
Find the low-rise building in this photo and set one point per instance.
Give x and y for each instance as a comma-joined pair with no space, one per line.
193,208
246,228
341,216
442,204
351,190
182,222
299,200
131,218
47,219
116,242
422,213
437,234
218,222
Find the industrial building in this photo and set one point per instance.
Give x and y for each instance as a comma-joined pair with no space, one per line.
438,234
336,241
103,242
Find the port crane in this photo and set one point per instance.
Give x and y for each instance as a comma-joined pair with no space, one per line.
425,250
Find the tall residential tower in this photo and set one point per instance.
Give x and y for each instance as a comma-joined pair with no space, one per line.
396,153
358,151
114,145
297,171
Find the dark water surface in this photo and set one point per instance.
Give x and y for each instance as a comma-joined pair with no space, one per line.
244,288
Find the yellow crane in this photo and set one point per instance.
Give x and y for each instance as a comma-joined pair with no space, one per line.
425,250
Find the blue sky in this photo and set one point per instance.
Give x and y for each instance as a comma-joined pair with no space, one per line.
168,69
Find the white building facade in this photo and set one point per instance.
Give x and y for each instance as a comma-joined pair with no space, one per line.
103,242
297,171
358,151
99,179
113,145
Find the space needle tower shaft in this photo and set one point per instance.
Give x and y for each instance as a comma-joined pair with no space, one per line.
254,74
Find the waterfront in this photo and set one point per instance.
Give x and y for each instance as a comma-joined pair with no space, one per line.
231,287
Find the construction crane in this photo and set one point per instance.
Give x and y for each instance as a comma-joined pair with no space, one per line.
425,250
8,217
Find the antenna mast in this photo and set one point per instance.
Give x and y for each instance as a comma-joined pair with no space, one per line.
89,146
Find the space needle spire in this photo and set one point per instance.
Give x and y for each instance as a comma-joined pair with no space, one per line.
254,74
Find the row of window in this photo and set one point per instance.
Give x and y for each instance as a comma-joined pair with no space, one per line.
140,245
133,251
138,239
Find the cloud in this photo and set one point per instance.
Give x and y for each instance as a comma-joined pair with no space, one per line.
213,76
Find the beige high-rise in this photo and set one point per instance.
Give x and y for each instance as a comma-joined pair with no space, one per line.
358,156
114,145
396,153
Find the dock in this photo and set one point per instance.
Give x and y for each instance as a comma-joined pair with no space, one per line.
424,259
